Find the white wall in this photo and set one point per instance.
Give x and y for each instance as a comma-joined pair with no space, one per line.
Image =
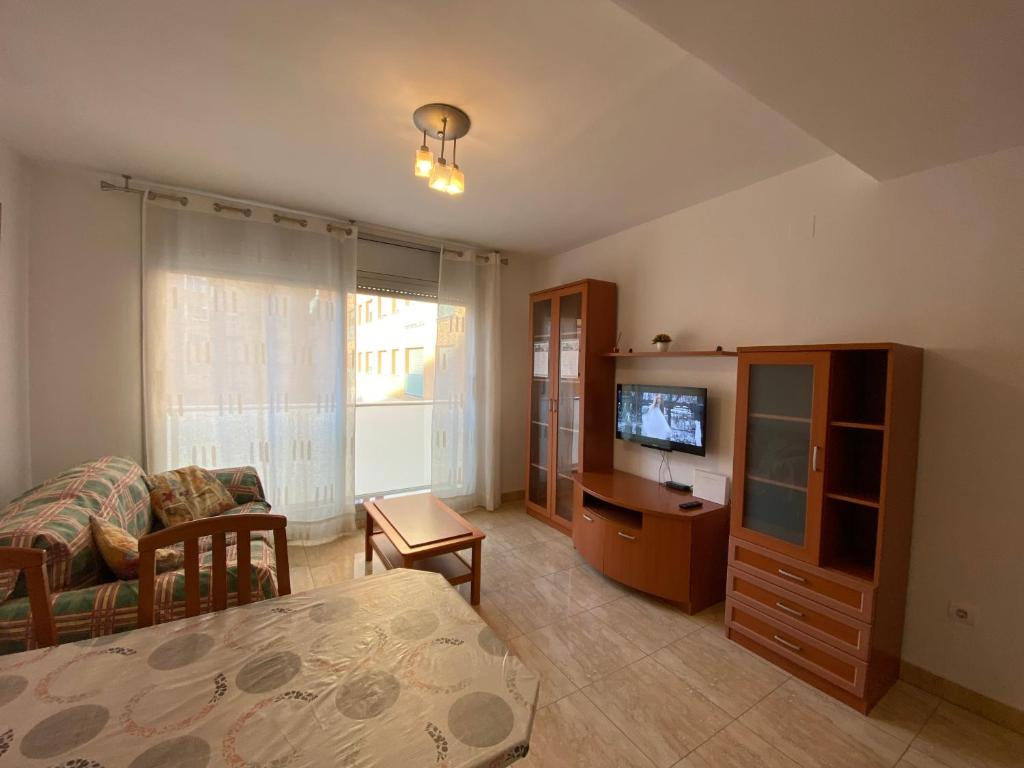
14,414
514,338
84,328
825,254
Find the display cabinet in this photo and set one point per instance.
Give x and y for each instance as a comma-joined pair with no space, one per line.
823,499
572,393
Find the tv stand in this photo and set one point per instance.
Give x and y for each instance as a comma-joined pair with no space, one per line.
632,530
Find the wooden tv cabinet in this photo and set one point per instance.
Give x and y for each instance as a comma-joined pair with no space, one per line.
632,530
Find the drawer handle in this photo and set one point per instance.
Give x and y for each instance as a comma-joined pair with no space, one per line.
790,611
627,536
792,576
786,644
588,518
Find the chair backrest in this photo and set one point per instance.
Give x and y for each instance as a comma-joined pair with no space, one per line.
33,563
217,528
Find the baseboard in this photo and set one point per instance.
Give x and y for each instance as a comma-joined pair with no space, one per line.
508,497
954,693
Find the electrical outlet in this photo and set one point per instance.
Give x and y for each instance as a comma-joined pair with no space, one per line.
961,613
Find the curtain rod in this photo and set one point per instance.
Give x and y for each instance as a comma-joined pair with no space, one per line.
381,230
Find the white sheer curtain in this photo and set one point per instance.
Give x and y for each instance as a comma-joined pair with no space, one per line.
467,379
248,334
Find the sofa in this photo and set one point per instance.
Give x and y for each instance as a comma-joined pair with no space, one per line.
88,600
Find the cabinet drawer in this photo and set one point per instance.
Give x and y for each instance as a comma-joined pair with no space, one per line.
837,667
624,556
845,594
816,620
588,532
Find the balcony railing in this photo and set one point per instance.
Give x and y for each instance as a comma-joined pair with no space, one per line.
392,447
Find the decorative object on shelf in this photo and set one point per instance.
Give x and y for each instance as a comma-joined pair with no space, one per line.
661,341
618,338
447,123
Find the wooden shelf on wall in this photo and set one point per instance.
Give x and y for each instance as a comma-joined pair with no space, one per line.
686,353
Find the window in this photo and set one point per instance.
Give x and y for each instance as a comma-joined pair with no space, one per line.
393,395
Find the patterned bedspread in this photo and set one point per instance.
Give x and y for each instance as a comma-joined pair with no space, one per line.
390,670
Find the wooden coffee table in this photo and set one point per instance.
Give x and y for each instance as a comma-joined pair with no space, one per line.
422,532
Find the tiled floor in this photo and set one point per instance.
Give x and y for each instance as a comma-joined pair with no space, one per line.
627,680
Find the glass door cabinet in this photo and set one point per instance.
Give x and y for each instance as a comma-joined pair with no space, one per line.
781,425
571,383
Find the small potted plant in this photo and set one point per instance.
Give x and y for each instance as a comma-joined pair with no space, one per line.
661,341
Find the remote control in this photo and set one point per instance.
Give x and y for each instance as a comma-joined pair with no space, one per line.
691,504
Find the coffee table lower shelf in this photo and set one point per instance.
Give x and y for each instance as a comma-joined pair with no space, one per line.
450,565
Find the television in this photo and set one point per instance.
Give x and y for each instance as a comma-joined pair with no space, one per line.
667,418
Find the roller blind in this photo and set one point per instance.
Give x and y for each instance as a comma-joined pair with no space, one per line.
392,268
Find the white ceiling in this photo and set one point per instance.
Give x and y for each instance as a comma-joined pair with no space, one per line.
894,86
585,120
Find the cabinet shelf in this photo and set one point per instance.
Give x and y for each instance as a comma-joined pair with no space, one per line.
857,425
855,498
681,353
766,481
778,417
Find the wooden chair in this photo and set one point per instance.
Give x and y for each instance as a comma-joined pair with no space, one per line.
33,563
217,528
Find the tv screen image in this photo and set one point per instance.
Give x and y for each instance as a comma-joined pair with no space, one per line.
670,418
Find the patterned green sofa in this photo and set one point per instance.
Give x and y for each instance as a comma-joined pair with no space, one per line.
88,601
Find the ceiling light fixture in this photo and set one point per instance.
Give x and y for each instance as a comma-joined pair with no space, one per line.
447,123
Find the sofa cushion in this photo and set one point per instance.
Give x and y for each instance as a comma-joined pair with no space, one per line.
105,609
55,516
191,493
120,551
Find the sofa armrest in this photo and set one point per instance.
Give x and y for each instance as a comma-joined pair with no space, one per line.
243,483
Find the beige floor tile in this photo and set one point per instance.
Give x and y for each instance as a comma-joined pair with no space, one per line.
956,738
572,733
534,604
553,684
724,672
588,587
501,570
713,616
297,555
903,711
661,714
584,648
818,731
524,534
736,746
331,573
497,619
648,622
545,559
301,579
912,758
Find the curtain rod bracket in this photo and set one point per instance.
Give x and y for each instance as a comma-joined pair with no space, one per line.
218,207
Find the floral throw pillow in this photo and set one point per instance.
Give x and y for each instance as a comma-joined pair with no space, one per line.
187,494
120,551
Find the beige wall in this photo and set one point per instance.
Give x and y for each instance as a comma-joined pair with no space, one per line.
84,327
825,254
14,418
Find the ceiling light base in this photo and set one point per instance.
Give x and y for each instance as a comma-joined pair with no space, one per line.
430,118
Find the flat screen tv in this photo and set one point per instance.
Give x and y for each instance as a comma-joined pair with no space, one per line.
667,418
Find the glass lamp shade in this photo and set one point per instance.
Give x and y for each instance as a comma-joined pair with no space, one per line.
440,176
424,162
457,182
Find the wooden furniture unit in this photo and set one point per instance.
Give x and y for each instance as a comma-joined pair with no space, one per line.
420,531
33,563
572,393
632,530
822,509
217,528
